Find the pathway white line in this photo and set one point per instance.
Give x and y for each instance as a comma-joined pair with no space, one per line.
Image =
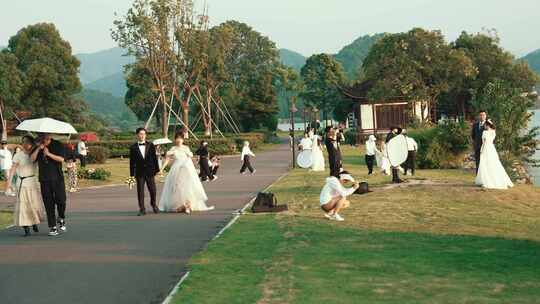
174,291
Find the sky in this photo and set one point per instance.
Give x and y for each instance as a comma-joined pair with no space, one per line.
305,26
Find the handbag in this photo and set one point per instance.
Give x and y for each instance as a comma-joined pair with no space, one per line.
267,202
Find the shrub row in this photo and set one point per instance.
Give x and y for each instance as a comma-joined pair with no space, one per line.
101,151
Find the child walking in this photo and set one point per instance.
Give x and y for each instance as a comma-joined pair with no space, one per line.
245,158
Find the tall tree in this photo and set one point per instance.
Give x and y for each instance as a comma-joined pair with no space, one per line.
50,72
323,76
418,65
491,63
250,66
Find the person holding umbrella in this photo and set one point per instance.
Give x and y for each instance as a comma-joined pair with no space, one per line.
50,155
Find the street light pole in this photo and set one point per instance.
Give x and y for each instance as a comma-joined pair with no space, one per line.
293,110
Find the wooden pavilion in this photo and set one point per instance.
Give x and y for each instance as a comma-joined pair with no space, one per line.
376,117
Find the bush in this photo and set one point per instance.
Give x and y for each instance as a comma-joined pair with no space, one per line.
442,147
351,138
94,174
98,154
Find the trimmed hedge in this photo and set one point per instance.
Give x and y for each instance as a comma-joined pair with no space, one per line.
216,146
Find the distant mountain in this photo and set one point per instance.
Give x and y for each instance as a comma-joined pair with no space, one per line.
352,56
533,59
292,59
110,108
102,64
114,84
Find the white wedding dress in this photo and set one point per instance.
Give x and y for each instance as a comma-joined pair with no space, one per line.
317,155
491,173
182,184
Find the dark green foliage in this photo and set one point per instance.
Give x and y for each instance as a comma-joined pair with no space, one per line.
11,83
98,154
323,77
94,174
509,110
442,147
352,56
50,73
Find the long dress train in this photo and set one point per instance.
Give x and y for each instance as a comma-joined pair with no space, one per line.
182,184
491,173
317,155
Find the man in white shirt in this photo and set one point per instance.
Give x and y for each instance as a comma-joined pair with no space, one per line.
82,150
412,147
334,195
371,151
6,161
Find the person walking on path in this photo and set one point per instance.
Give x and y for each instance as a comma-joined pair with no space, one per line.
477,131
71,166
143,166
82,152
29,205
50,155
245,158
412,148
6,161
183,191
204,166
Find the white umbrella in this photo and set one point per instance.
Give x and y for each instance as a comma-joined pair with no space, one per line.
46,125
162,141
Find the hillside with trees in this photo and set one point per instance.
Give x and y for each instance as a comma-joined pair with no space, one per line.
102,64
292,59
352,56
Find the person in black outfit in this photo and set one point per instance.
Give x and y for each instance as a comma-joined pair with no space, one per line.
394,131
50,155
334,153
205,172
476,134
143,165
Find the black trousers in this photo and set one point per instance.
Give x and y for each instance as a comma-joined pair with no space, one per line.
150,182
477,158
370,160
395,175
205,173
215,170
410,164
54,199
246,165
83,161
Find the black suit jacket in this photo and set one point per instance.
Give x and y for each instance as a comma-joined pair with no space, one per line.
143,166
476,135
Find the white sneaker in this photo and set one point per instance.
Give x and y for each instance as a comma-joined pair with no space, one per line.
328,216
338,218
254,171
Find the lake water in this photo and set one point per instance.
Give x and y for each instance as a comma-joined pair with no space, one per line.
536,171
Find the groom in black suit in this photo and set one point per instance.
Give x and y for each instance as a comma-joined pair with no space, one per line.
476,135
143,165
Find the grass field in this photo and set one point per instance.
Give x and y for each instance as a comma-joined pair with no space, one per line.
437,239
6,219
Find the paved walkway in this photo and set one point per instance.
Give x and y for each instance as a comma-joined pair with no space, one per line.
109,255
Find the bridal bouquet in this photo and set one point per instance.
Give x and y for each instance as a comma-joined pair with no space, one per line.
130,181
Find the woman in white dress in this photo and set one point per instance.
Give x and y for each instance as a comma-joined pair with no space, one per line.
382,160
317,154
183,191
29,205
491,173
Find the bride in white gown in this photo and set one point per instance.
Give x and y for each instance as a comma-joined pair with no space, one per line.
491,173
317,154
183,190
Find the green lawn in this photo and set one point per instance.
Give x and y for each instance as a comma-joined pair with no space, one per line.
6,219
439,241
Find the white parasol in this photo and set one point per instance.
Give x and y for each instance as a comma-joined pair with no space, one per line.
46,125
396,150
162,141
